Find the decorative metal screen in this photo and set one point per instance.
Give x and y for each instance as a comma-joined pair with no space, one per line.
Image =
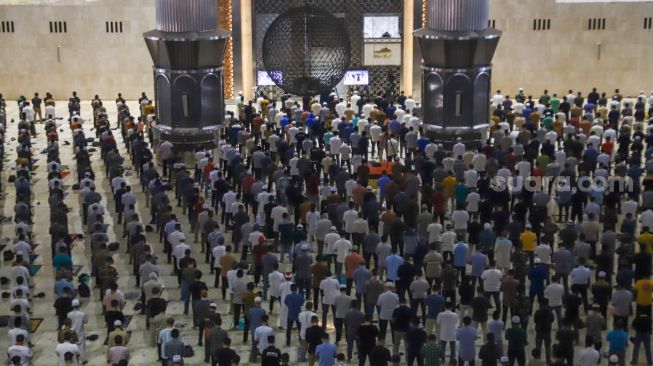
351,13
305,51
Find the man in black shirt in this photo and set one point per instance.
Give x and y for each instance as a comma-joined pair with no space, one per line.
543,321
415,339
196,288
566,338
63,306
271,356
156,305
642,326
401,317
367,334
380,356
314,338
225,355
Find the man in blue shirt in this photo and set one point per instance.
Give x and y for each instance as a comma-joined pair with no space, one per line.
539,276
382,182
618,341
294,303
434,305
392,263
479,262
62,260
466,337
61,284
460,253
361,275
326,352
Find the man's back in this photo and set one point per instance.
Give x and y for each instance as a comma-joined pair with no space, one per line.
174,347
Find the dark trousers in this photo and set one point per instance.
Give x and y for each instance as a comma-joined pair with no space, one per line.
413,356
339,324
274,299
519,356
362,355
246,330
200,337
224,288
383,328
289,326
544,337
639,340
419,303
325,312
582,291
443,348
237,309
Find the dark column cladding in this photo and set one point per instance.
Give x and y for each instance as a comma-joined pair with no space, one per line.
457,48
187,49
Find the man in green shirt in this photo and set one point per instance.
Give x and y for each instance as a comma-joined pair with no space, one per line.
431,351
517,341
555,103
545,98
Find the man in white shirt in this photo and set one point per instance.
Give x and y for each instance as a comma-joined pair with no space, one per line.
435,231
589,356
498,99
28,110
580,281
342,249
49,111
275,279
460,218
179,252
349,217
340,109
228,199
492,284
367,109
554,293
20,351
16,330
330,286
334,146
175,237
387,303
447,323
261,334
543,251
78,319
304,322
448,240
65,347
375,136
354,100
410,104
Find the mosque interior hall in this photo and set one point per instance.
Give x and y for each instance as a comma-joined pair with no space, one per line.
326,182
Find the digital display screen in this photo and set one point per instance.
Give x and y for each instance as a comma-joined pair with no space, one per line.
359,77
377,26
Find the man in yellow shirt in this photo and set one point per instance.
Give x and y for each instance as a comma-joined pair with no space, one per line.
645,239
528,241
644,288
449,183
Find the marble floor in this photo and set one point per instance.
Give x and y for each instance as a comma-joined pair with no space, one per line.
45,337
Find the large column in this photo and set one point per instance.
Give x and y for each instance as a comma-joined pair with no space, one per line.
457,48
247,48
407,57
187,49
